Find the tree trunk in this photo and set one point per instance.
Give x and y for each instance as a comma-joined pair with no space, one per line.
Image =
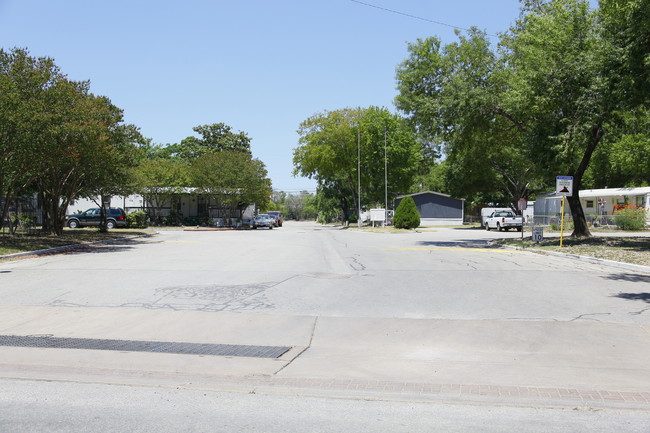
580,228
53,215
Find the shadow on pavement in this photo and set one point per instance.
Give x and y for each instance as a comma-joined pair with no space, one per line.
112,247
633,278
470,243
634,296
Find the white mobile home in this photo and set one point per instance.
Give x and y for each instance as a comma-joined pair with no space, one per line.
597,204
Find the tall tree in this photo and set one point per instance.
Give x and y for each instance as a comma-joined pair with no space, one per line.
235,180
24,83
159,180
554,52
329,148
215,137
626,31
56,137
83,150
454,94
530,111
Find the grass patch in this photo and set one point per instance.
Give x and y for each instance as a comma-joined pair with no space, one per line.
619,249
36,241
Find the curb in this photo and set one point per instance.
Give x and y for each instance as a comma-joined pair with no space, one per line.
587,259
71,247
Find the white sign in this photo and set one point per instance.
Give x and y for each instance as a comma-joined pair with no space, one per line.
538,234
522,204
377,215
564,185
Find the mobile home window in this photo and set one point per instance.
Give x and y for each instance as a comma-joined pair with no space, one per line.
590,203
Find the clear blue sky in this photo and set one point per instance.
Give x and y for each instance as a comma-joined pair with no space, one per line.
260,66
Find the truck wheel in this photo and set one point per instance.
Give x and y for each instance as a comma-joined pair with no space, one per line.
487,227
518,229
499,228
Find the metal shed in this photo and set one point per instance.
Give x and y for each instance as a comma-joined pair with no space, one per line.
436,208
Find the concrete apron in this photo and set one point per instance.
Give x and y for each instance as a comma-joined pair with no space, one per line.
529,363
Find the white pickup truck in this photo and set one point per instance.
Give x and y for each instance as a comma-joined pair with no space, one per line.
504,220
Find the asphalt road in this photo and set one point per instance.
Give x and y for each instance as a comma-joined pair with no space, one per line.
302,269
408,320
65,407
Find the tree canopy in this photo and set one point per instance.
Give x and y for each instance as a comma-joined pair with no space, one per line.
57,138
538,105
233,179
215,137
329,147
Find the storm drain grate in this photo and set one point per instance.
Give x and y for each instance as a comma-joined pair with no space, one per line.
143,346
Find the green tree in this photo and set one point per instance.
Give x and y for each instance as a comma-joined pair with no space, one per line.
24,84
159,181
233,179
328,151
624,156
454,94
56,137
626,31
83,146
406,215
297,206
555,52
520,116
216,137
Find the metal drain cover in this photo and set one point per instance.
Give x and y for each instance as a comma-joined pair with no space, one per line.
144,346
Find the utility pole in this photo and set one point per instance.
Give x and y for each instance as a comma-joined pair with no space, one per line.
385,181
359,176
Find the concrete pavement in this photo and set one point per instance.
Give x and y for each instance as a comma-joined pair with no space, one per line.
520,363
417,317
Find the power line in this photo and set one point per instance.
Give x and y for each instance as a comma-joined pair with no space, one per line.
415,17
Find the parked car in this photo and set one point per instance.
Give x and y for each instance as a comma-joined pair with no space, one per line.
275,220
116,218
264,220
278,216
487,212
504,220
248,222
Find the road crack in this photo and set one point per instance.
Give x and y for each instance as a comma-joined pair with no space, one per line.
582,317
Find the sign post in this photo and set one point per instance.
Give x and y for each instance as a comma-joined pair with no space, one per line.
522,204
563,187
378,215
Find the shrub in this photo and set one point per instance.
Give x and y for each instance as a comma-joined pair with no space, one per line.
630,217
138,219
406,214
175,218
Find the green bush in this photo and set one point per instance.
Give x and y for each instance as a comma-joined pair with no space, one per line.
175,218
630,217
406,214
138,219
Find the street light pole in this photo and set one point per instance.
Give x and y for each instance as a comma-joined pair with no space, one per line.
385,181
359,176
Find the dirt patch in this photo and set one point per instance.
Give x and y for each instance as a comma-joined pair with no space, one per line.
634,250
